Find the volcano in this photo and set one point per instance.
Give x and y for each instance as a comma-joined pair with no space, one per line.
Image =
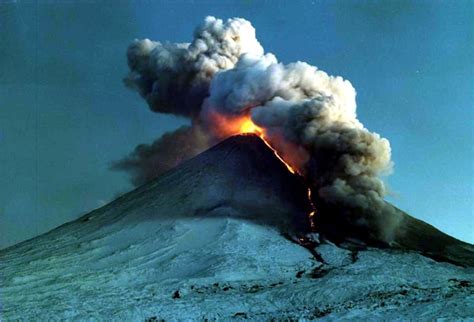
225,236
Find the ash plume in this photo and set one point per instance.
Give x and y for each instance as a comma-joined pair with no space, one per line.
174,78
308,116
148,161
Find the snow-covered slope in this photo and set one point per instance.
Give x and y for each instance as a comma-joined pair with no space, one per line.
205,240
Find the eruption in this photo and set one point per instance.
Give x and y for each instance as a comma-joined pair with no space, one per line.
225,84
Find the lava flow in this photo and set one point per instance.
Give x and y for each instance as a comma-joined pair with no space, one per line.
245,124
249,127
312,213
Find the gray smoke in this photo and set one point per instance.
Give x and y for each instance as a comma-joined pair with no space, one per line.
308,116
174,78
315,112
148,161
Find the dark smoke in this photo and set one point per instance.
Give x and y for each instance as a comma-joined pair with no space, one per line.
175,79
148,161
302,110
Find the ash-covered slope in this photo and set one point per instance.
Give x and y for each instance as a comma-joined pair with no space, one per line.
205,241
409,234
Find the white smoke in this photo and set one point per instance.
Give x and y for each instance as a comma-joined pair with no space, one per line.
174,78
302,109
316,112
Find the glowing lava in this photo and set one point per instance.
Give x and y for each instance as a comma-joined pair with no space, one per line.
312,213
248,126
288,166
224,126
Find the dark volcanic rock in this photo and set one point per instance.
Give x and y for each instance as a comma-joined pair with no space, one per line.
408,234
204,241
242,173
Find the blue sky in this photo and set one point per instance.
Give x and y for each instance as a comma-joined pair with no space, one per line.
65,114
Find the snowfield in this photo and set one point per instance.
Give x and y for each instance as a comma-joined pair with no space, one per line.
206,241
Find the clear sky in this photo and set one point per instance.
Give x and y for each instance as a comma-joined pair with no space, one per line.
65,114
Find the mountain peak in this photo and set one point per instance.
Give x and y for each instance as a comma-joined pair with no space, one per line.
204,241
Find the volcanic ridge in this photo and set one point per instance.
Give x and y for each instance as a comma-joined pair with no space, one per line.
220,237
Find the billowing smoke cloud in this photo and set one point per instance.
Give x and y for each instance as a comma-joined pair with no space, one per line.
308,116
175,78
148,161
315,111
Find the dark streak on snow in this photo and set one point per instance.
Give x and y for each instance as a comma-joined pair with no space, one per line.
176,295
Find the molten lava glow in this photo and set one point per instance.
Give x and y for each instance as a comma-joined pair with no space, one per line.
288,166
227,126
312,213
224,126
248,126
